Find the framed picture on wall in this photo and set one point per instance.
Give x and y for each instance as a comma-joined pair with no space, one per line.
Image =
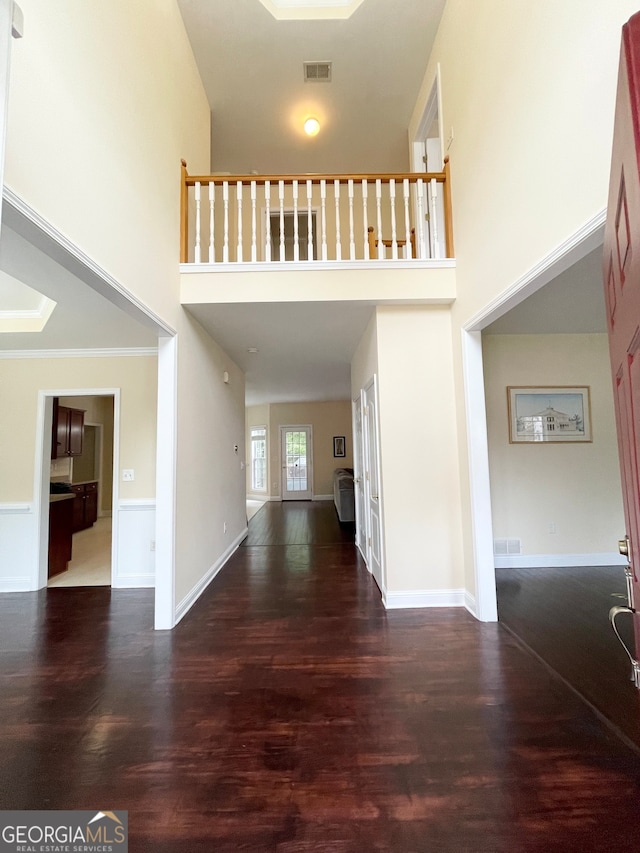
339,445
555,414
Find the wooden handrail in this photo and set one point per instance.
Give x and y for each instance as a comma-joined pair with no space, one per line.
412,177
188,180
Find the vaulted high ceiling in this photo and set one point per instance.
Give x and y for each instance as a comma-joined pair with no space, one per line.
252,68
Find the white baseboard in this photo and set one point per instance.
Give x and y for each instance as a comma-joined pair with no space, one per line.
424,598
191,597
323,497
18,548
136,530
258,496
470,603
558,561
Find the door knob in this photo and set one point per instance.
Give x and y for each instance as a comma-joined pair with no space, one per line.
623,546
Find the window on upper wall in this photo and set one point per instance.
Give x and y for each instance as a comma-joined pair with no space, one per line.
258,459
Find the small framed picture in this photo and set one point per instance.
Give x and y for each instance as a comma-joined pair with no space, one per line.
338,445
556,414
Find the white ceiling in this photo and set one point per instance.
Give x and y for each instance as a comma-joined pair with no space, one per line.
82,319
305,349
573,303
251,65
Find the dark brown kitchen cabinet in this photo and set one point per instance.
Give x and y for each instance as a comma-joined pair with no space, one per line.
85,505
68,431
60,528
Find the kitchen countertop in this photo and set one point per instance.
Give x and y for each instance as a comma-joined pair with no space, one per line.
63,496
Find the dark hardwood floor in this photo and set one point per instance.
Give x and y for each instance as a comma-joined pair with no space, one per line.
288,712
298,523
563,616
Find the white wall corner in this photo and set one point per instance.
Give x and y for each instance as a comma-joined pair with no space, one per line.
470,603
191,597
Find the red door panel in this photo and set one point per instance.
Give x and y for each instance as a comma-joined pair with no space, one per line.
621,273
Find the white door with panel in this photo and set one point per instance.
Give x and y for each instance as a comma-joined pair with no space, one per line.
358,477
296,455
372,482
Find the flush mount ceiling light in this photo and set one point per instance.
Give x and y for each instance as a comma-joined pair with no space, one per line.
312,126
298,10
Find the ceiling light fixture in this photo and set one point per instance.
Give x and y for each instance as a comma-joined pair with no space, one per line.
312,126
253,349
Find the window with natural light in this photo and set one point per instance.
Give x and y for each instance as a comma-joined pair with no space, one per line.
259,459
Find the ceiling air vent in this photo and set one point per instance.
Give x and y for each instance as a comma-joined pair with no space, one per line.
317,72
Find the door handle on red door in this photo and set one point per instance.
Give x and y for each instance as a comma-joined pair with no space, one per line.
623,546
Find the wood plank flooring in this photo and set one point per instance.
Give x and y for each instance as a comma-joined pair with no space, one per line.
289,712
562,615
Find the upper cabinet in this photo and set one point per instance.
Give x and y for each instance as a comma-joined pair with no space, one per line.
68,431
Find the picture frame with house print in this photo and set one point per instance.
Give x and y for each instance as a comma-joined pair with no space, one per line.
556,414
339,445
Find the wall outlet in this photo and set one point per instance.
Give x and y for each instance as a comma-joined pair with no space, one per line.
152,546
552,527
128,474
235,448
224,527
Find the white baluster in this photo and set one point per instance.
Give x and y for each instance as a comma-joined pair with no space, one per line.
407,224
323,217
281,198
309,221
365,217
225,200
352,242
267,224
420,203
336,193
392,202
254,237
379,217
196,255
433,218
239,203
212,201
296,243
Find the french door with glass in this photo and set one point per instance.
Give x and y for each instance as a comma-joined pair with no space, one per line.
296,456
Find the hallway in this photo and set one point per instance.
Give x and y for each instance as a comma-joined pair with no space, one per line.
290,713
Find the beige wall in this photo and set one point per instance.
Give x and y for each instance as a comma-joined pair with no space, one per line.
574,486
419,477
327,420
532,126
97,152
22,379
210,480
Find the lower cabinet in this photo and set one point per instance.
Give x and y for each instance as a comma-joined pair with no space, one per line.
85,505
60,528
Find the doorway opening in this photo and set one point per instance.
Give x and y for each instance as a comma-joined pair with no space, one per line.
78,488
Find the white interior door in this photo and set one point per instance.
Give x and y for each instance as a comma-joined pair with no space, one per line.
372,482
297,458
358,477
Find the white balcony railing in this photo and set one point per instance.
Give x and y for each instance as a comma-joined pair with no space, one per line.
233,219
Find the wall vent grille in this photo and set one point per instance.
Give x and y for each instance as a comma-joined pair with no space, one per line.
317,72
507,547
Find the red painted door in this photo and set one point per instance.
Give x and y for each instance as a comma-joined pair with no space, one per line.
622,292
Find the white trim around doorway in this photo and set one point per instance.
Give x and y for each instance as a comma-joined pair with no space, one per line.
567,253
